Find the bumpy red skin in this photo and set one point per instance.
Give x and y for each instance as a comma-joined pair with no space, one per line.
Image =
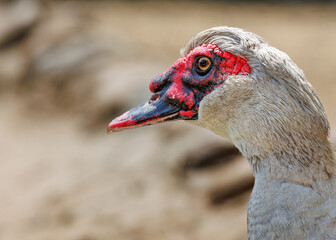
185,88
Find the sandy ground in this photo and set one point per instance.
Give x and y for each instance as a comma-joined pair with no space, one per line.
76,65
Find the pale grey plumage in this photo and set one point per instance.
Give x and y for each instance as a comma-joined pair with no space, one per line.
276,119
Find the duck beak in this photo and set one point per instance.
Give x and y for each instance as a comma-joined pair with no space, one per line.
156,110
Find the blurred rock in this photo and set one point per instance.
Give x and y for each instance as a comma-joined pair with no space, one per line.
14,66
17,21
219,171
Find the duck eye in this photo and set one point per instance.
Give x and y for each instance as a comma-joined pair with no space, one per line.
203,65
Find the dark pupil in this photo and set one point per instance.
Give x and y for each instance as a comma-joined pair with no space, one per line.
203,63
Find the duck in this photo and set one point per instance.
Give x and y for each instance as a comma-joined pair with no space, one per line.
235,84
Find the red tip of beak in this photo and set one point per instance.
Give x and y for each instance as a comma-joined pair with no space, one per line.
122,122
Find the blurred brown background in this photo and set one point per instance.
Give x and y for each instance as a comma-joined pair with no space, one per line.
68,67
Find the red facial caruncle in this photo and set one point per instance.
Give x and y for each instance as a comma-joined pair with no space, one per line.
179,91
185,86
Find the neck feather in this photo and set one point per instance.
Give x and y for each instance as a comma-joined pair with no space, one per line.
306,162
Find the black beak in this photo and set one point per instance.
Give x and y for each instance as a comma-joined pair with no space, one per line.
156,110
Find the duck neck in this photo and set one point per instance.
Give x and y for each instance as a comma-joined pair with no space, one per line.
305,162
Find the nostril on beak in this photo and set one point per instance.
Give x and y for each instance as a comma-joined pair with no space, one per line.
155,98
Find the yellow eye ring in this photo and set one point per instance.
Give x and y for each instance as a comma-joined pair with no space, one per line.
203,63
